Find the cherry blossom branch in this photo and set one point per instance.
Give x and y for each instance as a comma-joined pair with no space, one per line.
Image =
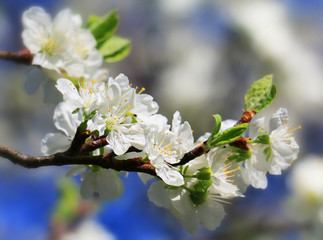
24,56
79,154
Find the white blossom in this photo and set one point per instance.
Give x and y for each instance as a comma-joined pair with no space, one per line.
282,149
87,97
66,122
165,147
60,44
117,104
101,185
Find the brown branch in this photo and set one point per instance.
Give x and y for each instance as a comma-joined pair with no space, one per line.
106,160
196,152
95,143
246,117
24,56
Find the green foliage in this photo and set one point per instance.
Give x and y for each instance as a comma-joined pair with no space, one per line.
112,47
76,111
260,94
227,136
217,126
103,28
67,204
115,49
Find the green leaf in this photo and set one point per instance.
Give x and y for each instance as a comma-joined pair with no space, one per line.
91,21
217,127
67,205
103,28
76,111
115,48
260,94
228,135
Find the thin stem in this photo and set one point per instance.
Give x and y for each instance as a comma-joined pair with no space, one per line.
22,57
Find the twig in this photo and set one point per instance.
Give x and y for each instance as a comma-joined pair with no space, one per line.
106,160
23,56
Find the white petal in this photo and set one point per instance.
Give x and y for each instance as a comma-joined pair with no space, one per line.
145,177
119,142
169,175
76,170
156,121
37,22
203,138
278,118
70,93
122,81
190,222
65,121
102,185
75,68
255,126
176,121
210,214
185,137
47,61
158,195
258,158
54,142
144,105
254,177
229,123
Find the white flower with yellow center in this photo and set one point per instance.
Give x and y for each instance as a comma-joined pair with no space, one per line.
60,44
280,149
165,147
122,129
87,97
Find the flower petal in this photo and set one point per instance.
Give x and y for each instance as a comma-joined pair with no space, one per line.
54,142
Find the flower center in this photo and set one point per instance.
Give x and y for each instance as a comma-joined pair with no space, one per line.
50,46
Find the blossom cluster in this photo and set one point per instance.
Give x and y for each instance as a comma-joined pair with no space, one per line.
60,44
194,190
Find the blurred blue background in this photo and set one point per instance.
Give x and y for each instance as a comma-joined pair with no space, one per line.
198,57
